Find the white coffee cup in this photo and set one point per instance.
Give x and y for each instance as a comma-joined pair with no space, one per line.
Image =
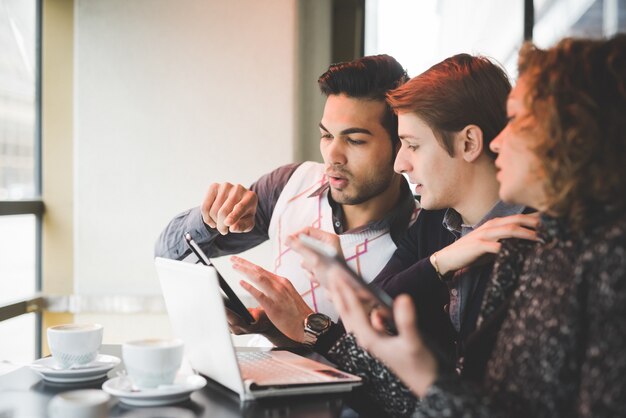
74,344
153,362
84,403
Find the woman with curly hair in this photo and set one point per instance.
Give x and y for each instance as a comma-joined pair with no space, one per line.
558,306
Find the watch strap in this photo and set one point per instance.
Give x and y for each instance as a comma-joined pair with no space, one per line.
309,338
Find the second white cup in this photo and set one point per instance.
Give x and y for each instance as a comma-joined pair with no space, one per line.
153,362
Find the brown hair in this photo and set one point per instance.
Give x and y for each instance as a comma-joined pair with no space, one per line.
577,95
459,91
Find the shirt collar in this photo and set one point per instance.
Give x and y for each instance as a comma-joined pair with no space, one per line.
397,220
453,222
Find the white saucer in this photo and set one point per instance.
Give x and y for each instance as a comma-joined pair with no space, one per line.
48,369
163,395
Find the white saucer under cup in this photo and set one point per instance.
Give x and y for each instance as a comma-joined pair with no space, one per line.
179,391
50,371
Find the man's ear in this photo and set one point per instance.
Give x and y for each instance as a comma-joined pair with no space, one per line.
471,143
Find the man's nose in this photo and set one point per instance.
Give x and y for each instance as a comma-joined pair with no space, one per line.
335,153
401,165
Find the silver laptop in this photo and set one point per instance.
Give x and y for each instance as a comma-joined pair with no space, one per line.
196,311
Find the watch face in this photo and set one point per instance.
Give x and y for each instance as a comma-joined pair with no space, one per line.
318,322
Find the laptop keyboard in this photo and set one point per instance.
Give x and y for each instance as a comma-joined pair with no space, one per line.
262,368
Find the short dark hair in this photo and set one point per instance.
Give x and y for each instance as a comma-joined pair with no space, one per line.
459,91
369,78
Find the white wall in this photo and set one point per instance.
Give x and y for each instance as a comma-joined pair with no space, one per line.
169,97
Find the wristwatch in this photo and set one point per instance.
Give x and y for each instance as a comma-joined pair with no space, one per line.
315,324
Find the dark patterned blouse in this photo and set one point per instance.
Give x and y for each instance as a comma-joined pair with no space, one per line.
561,349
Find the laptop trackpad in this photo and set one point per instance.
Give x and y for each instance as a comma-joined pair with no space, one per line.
283,368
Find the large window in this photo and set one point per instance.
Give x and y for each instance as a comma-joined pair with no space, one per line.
20,187
422,33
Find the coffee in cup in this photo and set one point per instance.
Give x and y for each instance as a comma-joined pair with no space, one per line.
153,362
74,344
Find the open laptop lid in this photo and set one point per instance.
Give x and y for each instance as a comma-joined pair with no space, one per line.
196,311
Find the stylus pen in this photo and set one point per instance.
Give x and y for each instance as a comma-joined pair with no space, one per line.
197,251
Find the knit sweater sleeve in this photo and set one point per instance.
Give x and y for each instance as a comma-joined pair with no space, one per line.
450,397
379,383
602,383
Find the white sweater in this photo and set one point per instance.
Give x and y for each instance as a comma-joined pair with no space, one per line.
367,251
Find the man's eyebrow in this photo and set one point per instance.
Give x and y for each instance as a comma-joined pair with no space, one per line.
355,131
349,131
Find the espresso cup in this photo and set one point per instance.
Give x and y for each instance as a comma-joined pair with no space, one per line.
74,344
154,362
84,403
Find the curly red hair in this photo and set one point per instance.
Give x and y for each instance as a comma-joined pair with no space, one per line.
577,95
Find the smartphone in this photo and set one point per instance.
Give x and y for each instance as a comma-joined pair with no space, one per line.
371,296
231,300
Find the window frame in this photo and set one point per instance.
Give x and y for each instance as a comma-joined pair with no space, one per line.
33,206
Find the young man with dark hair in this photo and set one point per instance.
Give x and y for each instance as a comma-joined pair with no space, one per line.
354,194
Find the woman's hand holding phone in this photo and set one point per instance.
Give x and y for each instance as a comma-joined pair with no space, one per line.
328,266
328,243
404,352
316,256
